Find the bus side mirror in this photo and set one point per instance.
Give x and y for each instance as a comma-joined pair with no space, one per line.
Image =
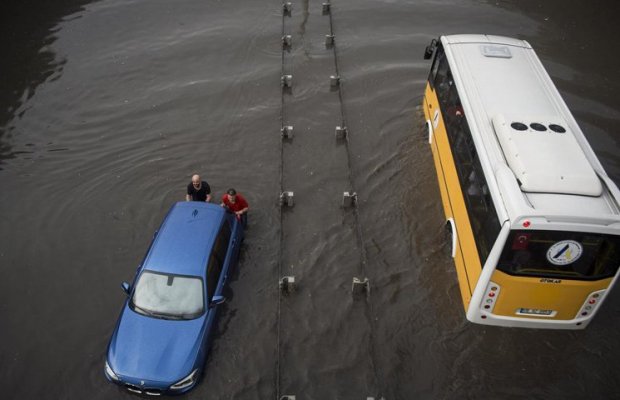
428,53
126,288
430,49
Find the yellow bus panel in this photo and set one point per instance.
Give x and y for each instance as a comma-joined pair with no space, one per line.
566,297
466,258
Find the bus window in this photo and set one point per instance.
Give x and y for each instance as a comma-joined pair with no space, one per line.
439,55
482,214
565,255
480,209
443,79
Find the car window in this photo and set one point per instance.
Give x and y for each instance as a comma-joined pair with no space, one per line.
217,259
222,241
168,296
213,275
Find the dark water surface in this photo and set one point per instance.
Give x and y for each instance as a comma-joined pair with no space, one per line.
107,107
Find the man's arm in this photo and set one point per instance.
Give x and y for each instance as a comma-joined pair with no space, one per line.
188,196
244,204
208,190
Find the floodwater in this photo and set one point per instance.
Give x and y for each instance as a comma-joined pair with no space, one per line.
107,108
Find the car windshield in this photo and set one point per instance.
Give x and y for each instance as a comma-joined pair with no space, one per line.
559,254
168,296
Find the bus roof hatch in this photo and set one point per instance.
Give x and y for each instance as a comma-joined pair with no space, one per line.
545,157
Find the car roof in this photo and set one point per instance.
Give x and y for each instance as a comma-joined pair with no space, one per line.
184,241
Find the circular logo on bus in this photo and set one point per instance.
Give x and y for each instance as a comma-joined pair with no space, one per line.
564,252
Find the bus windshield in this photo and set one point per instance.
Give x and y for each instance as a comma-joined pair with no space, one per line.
558,254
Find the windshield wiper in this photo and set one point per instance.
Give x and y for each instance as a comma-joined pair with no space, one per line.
159,315
144,311
187,317
171,316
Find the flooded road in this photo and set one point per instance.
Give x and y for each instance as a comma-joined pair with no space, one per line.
108,107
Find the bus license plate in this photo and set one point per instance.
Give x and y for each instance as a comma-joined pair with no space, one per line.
535,311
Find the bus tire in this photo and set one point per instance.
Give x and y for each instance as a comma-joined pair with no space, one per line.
453,235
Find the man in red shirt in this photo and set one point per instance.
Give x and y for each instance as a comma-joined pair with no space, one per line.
235,203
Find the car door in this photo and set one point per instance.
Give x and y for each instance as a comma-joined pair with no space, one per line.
217,270
236,237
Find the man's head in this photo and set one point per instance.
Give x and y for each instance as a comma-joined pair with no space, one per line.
196,180
232,194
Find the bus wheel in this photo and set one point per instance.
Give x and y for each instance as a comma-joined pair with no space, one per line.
446,239
451,235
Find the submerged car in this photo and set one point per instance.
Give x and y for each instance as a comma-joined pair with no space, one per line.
161,339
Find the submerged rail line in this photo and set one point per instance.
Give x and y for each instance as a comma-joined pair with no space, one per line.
343,133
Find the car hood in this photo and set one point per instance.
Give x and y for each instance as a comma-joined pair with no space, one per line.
145,348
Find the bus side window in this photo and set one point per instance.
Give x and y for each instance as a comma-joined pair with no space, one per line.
485,223
480,209
443,88
482,215
443,78
439,56
462,150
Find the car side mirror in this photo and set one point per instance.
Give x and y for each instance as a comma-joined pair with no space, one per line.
217,300
126,288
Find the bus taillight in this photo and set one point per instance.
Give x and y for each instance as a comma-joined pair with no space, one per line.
591,303
488,302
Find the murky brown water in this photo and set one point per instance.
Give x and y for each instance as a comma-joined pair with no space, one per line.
107,107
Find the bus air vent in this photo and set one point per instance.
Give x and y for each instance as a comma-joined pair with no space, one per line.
545,156
557,128
519,126
495,51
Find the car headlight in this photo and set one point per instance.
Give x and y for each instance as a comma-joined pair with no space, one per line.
186,382
109,372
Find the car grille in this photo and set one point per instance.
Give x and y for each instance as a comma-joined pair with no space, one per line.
141,390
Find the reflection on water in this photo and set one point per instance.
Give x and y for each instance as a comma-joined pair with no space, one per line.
110,106
574,47
28,31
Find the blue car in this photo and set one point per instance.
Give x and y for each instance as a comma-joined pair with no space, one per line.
162,336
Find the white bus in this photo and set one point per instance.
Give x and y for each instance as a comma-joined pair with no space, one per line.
534,218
